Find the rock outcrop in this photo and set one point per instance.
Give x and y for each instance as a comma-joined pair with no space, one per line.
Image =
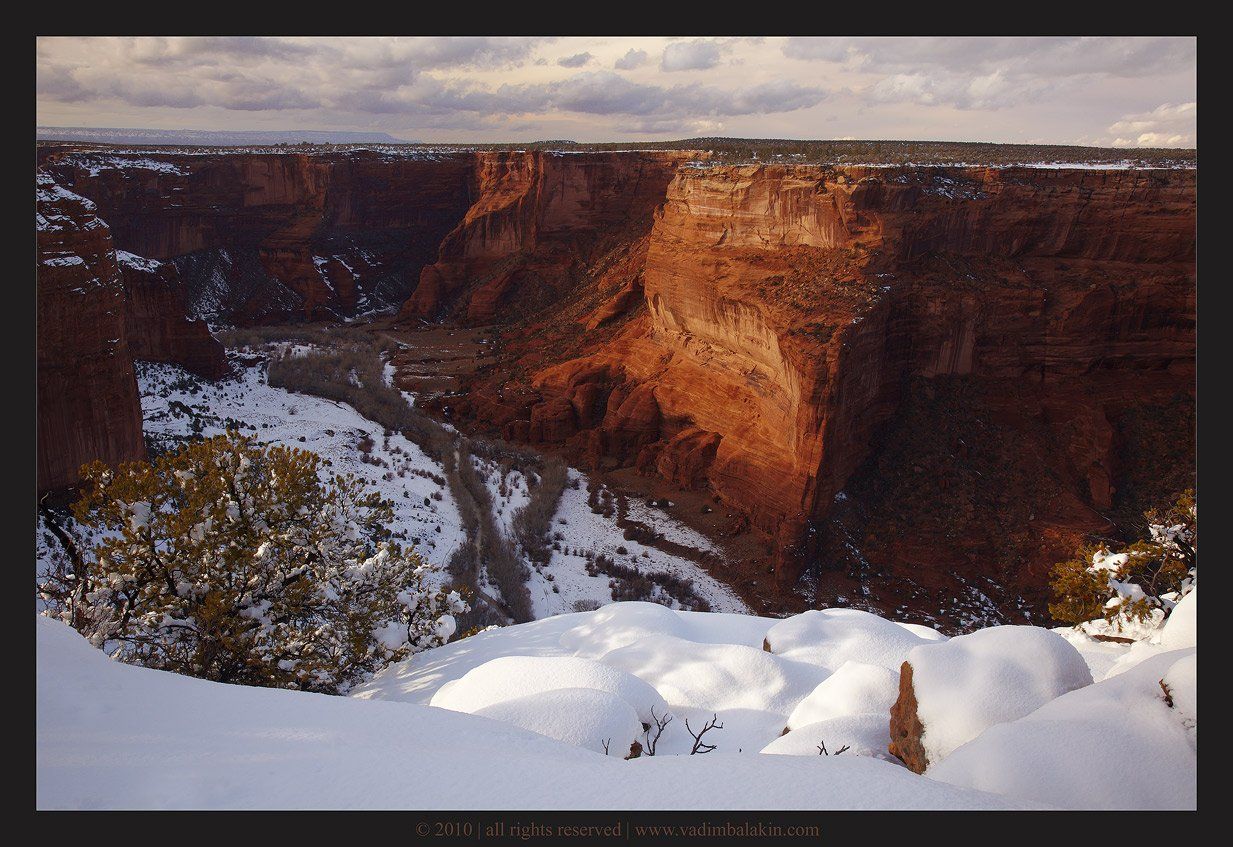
98,310
155,321
88,406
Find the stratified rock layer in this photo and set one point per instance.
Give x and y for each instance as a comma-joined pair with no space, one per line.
88,406
790,312
260,238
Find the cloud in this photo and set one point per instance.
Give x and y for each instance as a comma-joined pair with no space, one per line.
1167,125
1060,90
1038,56
697,55
632,59
992,72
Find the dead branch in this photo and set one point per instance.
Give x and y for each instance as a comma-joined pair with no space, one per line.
660,723
822,751
701,746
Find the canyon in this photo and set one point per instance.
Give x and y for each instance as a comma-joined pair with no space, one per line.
908,382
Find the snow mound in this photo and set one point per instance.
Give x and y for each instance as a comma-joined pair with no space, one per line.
864,735
620,625
717,677
830,637
583,717
113,736
854,689
988,677
512,677
1182,682
1111,745
751,691
1181,629
926,632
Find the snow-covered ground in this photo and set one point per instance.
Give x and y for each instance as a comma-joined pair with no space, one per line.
543,714
425,512
114,736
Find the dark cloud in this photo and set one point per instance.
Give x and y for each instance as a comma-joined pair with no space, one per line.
632,59
575,61
697,55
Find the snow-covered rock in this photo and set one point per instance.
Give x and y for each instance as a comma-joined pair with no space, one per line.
512,677
830,637
863,734
856,688
991,676
583,717
1111,745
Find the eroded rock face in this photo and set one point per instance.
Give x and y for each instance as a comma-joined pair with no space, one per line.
155,322
88,407
268,237
789,309
541,224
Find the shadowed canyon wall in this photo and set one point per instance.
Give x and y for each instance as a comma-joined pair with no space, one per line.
263,238
98,310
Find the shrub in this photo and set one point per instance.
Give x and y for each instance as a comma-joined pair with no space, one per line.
1142,581
233,561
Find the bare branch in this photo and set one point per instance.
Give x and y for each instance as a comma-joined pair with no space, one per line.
660,722
701,746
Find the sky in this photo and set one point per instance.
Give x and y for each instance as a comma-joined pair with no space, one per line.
1104,91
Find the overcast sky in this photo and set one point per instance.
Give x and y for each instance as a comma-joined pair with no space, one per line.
1100,91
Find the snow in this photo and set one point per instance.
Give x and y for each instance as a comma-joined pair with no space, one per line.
134,261
563,583
583,717
96,163
991,676
751,691
64,261
1111,745
1181,627
119,737
424,511
866,734
511,677
1182,681
856,688
830,637
435,527
621,624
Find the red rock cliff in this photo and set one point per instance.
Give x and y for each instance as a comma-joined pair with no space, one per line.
88,406
260,237
791,311
541,223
